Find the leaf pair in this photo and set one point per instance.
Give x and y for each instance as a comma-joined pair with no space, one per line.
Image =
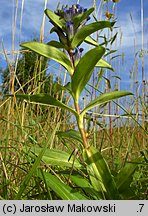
51,50
82,32
49,100
84,68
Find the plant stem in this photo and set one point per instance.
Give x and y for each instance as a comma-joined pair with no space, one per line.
81,126
80,121
71,58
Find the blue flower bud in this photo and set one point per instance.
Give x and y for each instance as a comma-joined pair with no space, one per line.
81,50
78,6
81,10
88,18
73,8
69,14
77,55
70,29
65,10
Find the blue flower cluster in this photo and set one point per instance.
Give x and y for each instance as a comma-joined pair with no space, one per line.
73,11
68,14
71,27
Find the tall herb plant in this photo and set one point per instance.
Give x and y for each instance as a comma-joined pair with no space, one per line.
95,180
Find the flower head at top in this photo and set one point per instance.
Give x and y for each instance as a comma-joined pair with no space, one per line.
72,23
68,13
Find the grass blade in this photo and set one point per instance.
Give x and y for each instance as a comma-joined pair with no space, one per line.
35,165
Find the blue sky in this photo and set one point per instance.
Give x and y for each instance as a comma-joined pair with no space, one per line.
32,18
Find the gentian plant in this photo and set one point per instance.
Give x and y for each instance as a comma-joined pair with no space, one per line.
72,27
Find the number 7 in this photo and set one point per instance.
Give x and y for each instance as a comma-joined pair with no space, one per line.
141,207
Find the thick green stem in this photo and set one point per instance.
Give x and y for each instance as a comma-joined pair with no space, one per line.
81,126
77,108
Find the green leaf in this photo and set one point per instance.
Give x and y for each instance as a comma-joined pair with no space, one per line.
62,37
50,52
54,157
46,99
83,183
57,87
105,98
96,182
91,41
84,69
114,38
78,19
116,77
100,75
101,172
87,30
35,165
64,191
107,82
56,20
110,52
104,64
124,177
70,134
56,44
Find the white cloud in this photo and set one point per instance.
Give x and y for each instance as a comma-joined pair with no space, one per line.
131,30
